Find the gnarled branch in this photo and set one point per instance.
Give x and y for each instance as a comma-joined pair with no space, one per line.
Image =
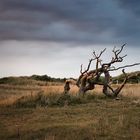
89,78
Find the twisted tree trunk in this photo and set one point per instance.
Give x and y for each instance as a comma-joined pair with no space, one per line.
89,78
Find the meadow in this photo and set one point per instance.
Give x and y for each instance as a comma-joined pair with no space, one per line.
43,112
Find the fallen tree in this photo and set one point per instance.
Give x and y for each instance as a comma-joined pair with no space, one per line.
89,78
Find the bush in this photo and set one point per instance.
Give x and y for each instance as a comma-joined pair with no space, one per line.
31,101
53,100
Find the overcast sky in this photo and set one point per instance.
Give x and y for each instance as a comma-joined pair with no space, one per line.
55,37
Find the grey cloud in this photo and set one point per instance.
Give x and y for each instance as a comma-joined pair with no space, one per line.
131,6
34,49
80,21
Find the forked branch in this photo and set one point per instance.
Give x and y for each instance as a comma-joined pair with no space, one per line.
89,78
114,69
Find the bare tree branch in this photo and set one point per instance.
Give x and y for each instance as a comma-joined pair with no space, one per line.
87,67
114,69
102,52
89,78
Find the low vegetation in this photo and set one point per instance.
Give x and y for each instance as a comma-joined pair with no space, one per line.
43,112
70,117
31,80
134,78
58,100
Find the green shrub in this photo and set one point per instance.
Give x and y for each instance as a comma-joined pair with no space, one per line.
31,101
43,100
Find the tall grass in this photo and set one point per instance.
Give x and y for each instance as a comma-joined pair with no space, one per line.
104,119
10,93
131,90
45,113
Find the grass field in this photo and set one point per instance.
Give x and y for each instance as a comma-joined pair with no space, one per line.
25,115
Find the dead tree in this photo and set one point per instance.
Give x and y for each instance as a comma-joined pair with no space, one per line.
89,78
67,86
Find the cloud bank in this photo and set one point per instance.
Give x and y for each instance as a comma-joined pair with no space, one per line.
78,21
55,37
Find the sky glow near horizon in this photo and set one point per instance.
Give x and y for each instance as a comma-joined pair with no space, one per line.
54,59
44,37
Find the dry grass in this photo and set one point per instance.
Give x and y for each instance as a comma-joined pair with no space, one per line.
131,90
59,89
100,118
10,93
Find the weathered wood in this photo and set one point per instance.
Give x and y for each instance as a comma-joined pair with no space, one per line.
89,78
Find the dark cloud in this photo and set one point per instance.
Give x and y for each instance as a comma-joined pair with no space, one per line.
79,21
132,6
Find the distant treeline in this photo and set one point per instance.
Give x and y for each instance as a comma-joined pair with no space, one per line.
134,77
47,78
30,80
